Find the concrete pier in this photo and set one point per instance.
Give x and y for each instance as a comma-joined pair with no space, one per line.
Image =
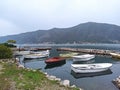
90,51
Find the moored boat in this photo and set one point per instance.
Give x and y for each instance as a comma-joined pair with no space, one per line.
84,57
82,75
54,60
90,68
48,66
45,52
34,56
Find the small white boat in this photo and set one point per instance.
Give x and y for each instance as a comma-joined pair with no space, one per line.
20,53
90,68
34,56
84,57
44,53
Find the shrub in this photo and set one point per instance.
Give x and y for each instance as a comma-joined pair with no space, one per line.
8,45
5,52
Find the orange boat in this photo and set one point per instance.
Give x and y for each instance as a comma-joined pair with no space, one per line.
55,60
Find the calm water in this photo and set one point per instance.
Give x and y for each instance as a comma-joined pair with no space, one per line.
100,81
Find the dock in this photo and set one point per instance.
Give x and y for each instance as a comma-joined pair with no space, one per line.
90,51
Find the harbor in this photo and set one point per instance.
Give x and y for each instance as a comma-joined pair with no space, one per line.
103,79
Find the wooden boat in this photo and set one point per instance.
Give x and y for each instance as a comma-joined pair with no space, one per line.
48,66
55,60
90,68
115,55
84,57
68,55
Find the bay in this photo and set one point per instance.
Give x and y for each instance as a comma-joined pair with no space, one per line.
101,81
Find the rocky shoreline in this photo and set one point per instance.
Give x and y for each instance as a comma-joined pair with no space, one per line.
65,83
116,82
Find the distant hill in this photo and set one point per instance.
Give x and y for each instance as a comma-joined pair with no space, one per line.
90,32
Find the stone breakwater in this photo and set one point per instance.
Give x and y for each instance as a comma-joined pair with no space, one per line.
90,51
65,83
116,82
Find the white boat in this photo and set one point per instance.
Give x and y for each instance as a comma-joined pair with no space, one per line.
34,56
115,55
90,68
43,53
20,53
84,57
24,53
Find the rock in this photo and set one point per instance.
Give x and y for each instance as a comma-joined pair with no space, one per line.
73,86
65,83
52,77
45,73
20,66
34,70
57,79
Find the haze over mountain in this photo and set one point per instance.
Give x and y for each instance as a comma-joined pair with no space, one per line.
89,32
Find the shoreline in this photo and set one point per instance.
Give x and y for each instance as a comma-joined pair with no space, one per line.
64,83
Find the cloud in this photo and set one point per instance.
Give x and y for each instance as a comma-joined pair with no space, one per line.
7,28
32,15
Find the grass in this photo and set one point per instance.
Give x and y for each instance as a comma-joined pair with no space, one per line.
14,78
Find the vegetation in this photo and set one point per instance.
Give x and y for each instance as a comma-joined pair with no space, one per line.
8,45
14,78
5,52
11,41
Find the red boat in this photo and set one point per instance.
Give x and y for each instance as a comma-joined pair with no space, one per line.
55,60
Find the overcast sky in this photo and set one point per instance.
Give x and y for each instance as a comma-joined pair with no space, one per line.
18,16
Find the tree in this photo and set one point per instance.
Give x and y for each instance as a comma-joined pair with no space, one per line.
11,41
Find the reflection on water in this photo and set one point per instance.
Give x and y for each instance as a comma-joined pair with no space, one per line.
55,65
31,60
82,75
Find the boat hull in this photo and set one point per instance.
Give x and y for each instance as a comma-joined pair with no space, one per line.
55,60
82,75
83,57
90,68
34,56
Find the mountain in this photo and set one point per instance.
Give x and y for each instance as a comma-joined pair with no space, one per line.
89,32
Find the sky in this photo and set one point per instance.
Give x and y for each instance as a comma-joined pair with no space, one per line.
19,16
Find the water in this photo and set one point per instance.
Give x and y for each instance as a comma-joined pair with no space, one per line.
100,81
